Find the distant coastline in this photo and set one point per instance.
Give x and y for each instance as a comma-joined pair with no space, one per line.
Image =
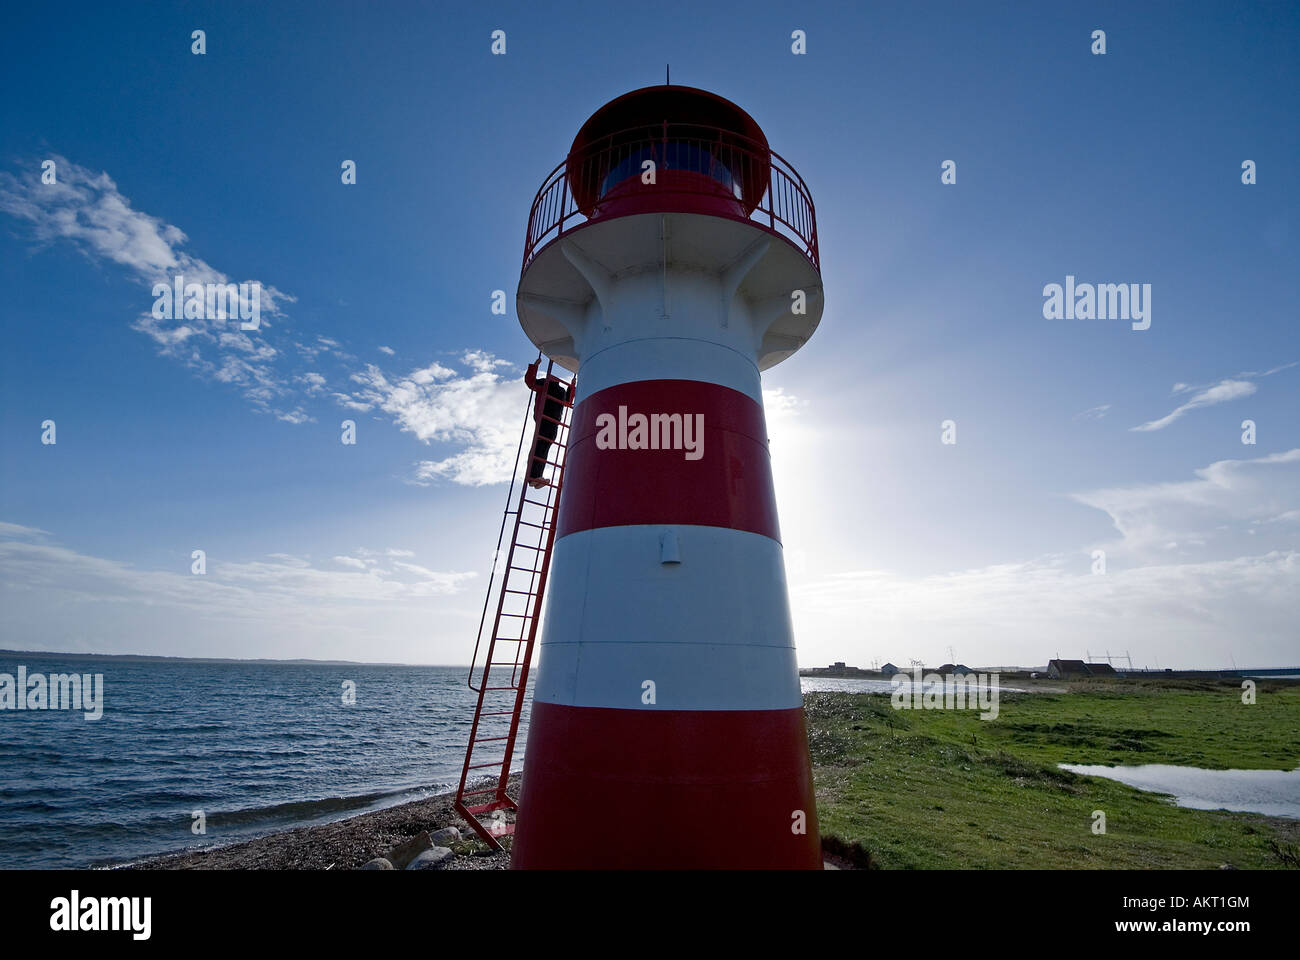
152,658
846,672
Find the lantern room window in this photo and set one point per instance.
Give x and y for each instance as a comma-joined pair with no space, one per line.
671,155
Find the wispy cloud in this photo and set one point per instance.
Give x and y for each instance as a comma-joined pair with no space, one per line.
88,210
1226,497
1221,392
272,368
1031,610
45,586
481,412
1232,388
1093,413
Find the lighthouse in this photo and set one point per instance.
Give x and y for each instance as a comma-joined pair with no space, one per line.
669,259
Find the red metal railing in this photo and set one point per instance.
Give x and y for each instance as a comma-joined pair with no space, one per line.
728,166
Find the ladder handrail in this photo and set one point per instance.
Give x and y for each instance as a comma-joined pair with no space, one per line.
533,596
496,556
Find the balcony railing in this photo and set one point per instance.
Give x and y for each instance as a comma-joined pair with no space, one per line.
717,171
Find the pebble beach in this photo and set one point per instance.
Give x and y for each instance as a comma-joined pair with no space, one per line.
341,845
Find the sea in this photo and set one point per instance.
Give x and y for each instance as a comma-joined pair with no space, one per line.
241,749
238,748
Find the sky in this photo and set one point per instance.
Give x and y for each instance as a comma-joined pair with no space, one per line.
1073,436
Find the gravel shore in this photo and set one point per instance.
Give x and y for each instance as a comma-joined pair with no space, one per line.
342,845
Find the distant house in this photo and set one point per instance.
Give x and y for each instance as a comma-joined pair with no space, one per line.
1077,669
837,665
1067,669
954,669
889,669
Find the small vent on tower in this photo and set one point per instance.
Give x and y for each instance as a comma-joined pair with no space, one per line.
668,552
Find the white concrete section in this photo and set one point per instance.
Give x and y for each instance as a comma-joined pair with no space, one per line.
712,631
684,276
686,677
670,359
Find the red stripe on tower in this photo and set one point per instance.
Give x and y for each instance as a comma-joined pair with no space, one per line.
708,465
626,789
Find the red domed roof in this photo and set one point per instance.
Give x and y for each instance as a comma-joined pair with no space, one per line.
699,129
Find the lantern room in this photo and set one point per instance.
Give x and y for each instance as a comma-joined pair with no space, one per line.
668,149
675,183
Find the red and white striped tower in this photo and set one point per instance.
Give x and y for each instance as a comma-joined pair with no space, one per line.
670,258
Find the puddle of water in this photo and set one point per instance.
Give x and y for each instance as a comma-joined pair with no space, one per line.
1272,792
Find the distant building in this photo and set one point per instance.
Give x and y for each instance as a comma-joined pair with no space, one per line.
889,669
1077,669
837,669
954,669
1067,669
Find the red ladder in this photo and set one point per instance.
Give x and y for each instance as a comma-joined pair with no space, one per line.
518,612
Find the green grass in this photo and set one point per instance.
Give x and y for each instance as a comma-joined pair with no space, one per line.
944,789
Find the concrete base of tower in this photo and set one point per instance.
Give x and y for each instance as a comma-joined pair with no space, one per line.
658,790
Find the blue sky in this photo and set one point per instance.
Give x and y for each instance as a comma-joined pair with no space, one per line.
1122,168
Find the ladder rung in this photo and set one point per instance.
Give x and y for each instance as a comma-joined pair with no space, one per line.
494,805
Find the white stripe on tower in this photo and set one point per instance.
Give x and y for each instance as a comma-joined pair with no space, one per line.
712,632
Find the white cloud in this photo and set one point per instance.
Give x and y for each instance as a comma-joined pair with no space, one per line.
1221,392
1226,497
88,210
1093,413
1205,569
1025,613
478,413
482,362
1213,394
284,603
313,383
482,412
16,531
779,405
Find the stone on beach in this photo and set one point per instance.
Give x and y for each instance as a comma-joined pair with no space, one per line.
445,836
408,850
379,863
430,859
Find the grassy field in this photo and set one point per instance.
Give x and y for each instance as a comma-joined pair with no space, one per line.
943,789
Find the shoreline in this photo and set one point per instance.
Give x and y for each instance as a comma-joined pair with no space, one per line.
345,844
